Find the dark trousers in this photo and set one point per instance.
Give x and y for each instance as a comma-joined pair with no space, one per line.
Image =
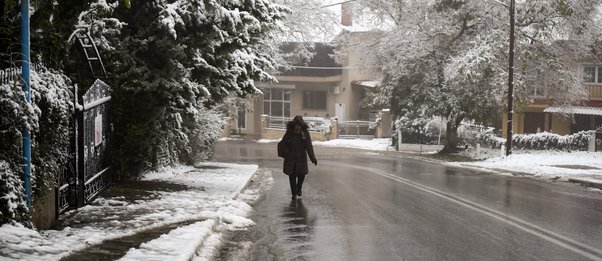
296,182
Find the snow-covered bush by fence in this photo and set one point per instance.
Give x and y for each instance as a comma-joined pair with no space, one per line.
206,125
12,205
540,141
47,118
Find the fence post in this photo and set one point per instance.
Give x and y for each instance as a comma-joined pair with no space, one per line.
592,141
334,128
398,139
264,125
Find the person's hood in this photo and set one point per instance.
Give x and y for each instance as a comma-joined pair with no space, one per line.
297,120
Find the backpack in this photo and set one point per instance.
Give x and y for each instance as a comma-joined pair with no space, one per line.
282,148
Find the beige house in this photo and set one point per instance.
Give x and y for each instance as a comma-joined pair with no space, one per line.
541,116
319,88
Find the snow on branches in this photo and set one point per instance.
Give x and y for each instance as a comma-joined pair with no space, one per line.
450,58
47,118
172,60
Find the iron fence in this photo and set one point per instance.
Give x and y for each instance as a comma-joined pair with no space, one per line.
315,124
13,74
357,129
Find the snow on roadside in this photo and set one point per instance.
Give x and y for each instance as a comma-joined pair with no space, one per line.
211,194
175,245
373,144
550,164
580,165
267,141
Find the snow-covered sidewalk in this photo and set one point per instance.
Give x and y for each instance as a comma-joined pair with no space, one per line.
201,201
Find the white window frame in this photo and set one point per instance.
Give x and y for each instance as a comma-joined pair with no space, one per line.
281,100
542,86
597,72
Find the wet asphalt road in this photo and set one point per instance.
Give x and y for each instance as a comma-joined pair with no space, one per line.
360,205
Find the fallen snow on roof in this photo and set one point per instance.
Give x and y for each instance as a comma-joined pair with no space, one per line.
575,110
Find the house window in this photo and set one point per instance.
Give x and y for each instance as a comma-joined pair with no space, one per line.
314,100
540,85
242,118
592,74
277,102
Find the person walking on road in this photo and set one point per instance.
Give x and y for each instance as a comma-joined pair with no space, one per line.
297,147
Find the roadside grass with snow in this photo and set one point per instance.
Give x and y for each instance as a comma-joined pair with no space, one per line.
211,199
546,164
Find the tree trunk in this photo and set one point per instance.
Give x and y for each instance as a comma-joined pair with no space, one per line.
451,139
451,136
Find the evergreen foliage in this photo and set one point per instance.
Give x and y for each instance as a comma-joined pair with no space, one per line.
48,119
170,62
12,205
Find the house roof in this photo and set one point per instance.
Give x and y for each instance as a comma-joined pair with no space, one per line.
367,83
321,64
585,110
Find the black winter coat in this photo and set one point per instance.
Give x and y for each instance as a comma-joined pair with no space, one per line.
298,147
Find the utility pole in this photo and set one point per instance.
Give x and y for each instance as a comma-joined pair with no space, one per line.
25,88
510,81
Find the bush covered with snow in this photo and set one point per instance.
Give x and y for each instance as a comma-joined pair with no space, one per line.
12,204
47,118
170,63
541,141
420,130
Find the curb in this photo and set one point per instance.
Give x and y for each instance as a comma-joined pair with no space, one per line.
586,183
247,183
234,197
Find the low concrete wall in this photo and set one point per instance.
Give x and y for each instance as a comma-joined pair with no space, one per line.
277,134
382,129
44,210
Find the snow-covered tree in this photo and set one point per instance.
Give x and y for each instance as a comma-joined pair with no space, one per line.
306,23
168,59
48,119
449,57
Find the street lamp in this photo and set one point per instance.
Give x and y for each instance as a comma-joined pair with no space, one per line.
511,8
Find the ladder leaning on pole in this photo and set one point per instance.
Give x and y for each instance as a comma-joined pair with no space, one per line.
82,34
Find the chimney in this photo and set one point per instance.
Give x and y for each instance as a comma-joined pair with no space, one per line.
346,14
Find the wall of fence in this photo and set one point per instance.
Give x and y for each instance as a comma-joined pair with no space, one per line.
327,129
13,75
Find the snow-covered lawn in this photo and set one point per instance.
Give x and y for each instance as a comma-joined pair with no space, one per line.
210,204
552,164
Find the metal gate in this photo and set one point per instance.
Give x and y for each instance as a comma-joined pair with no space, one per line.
357,129
87,174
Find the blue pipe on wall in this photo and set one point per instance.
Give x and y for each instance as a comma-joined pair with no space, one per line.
25,74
